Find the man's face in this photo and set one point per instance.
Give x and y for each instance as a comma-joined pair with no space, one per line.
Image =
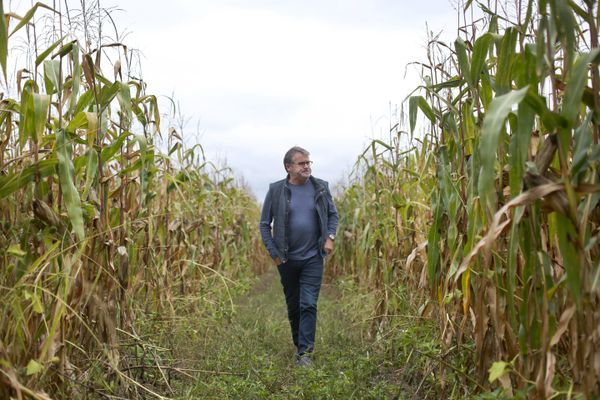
300,169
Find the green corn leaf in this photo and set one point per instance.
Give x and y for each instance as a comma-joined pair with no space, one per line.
76,76
52,76
578,10
79,121
583,141
41,105
567,27
124,97
412,113
519,147
595,285
511,267
30,15
47,52
90,171
450,83
480,52
147,159
433,239
463,61
505,58
175,147
109,151
139,114
67,183
66,49
550,120
27,116
567,235
384,144
85,120
136,165
426,109
576,85
3,40
108,93
153,110
486,92
493,125
420,102
84,102
13,182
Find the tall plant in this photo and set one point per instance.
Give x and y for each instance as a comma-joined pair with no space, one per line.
512,251
98,226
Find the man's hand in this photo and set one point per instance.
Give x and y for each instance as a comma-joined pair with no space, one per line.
277,260
328,246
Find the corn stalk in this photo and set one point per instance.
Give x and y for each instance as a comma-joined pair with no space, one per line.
99,227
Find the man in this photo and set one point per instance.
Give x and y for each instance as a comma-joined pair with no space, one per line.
304,219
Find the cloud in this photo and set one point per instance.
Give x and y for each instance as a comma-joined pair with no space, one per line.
256,78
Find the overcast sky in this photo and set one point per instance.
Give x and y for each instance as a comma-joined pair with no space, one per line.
255,77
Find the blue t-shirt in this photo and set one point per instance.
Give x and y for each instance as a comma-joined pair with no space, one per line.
303,222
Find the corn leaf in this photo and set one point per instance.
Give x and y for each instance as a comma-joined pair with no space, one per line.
480,52
505,57
76,67
47,52
30,15
52,76
566,237
583,141
27,116
3,41
124,97
15,181
108,93
576,84
463,61
41,105
67,183
493,125
90,171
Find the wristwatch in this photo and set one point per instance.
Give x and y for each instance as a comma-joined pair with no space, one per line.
331,236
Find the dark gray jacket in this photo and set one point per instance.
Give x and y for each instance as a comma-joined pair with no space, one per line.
276,209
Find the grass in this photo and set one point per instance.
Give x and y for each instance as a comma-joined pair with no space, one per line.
248,353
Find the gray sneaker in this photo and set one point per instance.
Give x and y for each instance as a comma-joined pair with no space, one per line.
304,361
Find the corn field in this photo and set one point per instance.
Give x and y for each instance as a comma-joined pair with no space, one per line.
482,205
100,230
484,200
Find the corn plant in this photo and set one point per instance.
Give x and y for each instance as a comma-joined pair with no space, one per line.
98,225
512,212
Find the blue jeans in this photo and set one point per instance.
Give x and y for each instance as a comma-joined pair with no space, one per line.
301,281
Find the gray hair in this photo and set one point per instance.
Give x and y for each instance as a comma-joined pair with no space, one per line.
289,155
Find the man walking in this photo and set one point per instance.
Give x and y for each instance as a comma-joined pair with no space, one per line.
304,219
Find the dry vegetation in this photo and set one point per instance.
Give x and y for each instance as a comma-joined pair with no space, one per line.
100,230
486,220
491,216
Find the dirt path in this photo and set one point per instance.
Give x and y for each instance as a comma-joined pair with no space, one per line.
249,355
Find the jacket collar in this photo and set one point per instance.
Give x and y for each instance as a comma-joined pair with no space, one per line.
314,181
